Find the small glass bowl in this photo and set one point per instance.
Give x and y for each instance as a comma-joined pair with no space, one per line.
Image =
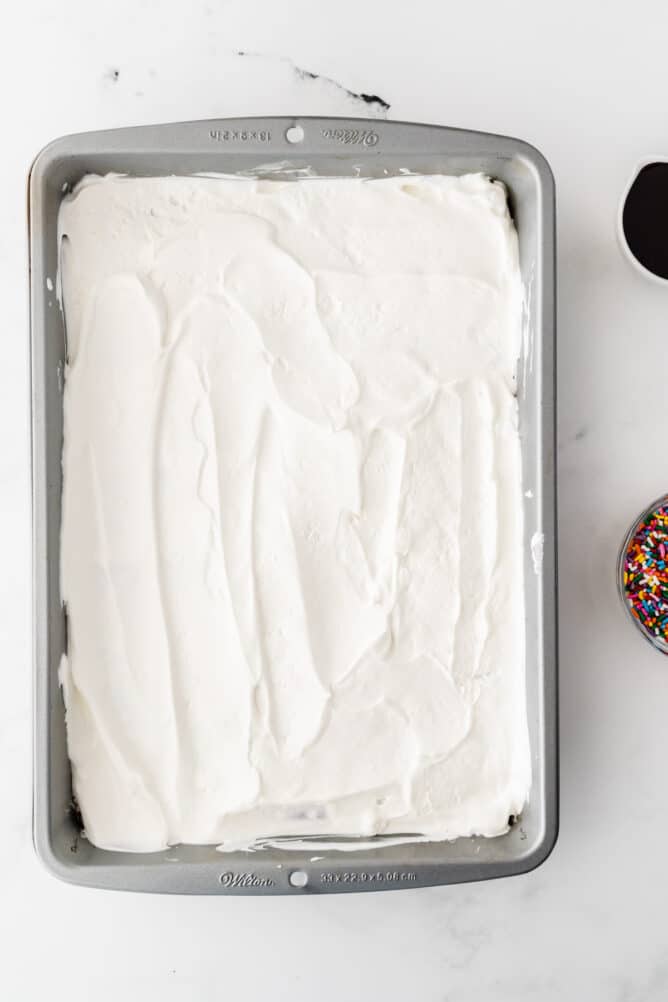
657,642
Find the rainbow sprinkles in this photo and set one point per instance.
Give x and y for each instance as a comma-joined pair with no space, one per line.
645,574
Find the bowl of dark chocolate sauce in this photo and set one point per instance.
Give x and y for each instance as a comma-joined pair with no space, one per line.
643,219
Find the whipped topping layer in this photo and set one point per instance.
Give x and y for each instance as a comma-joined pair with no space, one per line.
292,509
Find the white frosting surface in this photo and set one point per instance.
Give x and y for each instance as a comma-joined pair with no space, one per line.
292,529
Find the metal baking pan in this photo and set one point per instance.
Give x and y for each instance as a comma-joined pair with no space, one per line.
276,146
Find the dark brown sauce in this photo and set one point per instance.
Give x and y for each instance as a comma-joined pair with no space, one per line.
645,218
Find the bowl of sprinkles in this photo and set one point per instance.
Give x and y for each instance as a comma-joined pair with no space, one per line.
643,573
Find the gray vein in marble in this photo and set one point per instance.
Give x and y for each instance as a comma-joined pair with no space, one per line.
373,101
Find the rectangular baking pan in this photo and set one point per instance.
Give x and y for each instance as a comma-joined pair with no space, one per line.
263,147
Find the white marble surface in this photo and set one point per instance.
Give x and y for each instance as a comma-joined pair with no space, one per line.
586,82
